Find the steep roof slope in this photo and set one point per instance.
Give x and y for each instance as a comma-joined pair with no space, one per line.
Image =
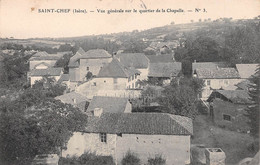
166,58
46,72
164,69
115,69
108,104
136,60
219,73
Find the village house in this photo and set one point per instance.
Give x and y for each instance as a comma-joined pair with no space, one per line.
38,74
137,61
110,104
227,109
164,72
166,58
43,60
75,99
146,134
114,79
215,76
83,62
163,47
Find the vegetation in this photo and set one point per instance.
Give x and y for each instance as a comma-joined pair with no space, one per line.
130,159
88,158
157,160
181,97
64,62
253,111
35,123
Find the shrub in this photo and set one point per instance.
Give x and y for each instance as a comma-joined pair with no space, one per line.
131,159
88,158
157,160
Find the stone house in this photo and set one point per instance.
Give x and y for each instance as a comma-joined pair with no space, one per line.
227,109
164,72
112,77
110,104
75,99
137,61
38,74
43,60
215,77
83,62
146,134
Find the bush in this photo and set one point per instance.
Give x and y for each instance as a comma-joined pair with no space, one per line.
131,159
157,160
88,158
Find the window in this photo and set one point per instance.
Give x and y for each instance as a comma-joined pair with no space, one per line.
104,81
208,82
87,68
94,83
133,85
227,117
129,79
133,77
103,137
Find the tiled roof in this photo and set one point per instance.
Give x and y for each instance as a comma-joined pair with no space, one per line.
46,72
108,104
243,84
73,98
166,58
158,45
136,60
246,70
236,96
81,54
140,123
96,53
219,73
116,69
164,69
45,56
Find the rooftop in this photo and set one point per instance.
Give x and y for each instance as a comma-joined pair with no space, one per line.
46,72
108,104
116,69
136,60
45,56
140,123
208,65
164,69
218,73
235,96
165,58
246,70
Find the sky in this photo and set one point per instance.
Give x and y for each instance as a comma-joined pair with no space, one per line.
21,18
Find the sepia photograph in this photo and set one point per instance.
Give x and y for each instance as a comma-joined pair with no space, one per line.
129,82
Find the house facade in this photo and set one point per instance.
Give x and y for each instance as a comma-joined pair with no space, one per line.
43,60
39,74
227,109
147,134
216,78
112,77
91,61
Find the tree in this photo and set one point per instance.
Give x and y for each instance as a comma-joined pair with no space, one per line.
253,110
157,160
181,97
64,62
89,75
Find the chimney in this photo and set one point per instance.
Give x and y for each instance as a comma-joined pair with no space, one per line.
215,156
98,112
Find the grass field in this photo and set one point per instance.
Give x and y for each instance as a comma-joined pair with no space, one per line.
234,144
